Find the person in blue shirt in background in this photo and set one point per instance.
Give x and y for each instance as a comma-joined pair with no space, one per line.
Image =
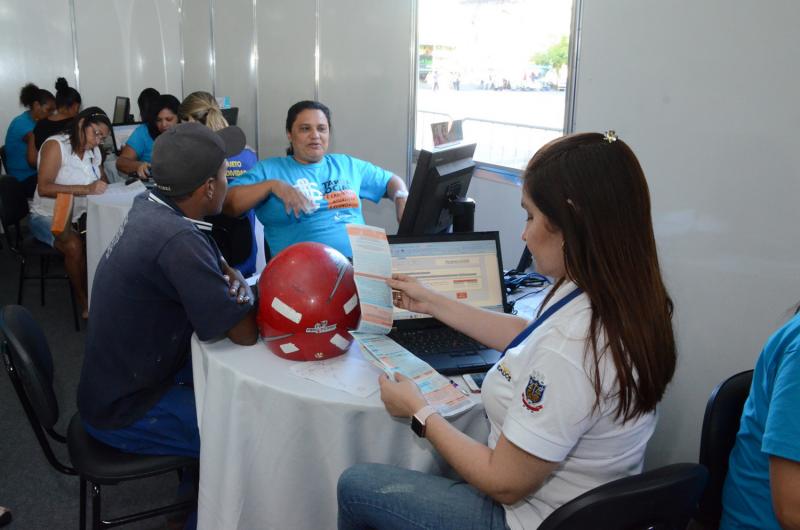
136,156
310,195
230,233
40,104
762,489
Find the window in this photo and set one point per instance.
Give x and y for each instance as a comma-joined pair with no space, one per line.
498,65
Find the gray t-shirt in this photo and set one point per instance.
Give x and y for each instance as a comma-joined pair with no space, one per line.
158,282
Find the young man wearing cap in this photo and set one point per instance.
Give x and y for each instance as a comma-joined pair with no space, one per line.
162,279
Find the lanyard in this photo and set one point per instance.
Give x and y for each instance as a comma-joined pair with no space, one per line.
544,316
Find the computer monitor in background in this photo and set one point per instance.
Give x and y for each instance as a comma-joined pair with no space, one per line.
231,115
120,134
437,198
122,108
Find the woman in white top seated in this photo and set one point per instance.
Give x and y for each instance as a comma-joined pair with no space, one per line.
70,163
572,403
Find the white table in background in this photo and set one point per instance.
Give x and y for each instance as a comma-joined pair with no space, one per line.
104,215
274,444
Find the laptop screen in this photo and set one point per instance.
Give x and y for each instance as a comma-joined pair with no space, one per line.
468,270
121,134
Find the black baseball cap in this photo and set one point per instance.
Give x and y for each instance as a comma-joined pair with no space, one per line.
188,154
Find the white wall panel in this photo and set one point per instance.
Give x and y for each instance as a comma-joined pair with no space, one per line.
235,61
126,46
365,79
35,46
714,124
196,36
286,42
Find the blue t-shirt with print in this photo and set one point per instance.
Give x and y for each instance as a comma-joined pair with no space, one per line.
335,185
141,142
240,164
17,148
770,426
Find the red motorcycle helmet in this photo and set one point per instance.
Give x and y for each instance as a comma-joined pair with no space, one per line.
308,303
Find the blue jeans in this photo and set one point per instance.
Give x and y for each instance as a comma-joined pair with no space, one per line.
168,428
388,497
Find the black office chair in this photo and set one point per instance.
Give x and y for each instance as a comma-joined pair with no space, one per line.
720,425
661,499
13,209
29,364
233,236
3,160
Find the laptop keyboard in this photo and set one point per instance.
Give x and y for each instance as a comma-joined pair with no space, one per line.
436,340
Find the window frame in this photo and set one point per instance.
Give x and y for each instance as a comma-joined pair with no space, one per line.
569,97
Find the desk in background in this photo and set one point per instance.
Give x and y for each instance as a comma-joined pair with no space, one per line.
274,444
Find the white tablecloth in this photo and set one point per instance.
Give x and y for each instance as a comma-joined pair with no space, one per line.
273,444
104,216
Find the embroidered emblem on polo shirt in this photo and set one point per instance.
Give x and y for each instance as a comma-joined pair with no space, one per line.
504,371
533,395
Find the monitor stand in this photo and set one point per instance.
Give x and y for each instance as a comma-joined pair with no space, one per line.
463,210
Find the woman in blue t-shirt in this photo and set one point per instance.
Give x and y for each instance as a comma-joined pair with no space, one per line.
40,104
136,155
311,195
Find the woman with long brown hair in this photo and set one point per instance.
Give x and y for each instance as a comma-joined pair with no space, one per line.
71,162
572,403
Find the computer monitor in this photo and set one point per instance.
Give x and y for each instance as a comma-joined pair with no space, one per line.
437,198
122,107
231,115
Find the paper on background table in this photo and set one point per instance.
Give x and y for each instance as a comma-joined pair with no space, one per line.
345,372
372,264
119,188
387,355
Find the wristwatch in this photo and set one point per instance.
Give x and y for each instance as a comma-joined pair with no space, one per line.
419,418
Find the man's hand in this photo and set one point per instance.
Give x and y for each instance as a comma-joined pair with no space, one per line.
237,286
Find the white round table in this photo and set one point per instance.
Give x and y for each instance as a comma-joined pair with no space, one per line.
274,444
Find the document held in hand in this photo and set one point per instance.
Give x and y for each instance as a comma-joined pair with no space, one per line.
62,213
372,261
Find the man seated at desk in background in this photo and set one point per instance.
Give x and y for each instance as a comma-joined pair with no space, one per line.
161,279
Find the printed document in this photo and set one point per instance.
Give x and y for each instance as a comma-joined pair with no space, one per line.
372,262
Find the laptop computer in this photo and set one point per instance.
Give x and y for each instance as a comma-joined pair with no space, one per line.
464,266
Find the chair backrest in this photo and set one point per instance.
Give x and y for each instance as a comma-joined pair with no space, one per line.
4,164
13,206
30,361
661,499
233,235
720,425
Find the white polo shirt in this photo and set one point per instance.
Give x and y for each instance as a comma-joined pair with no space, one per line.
540,396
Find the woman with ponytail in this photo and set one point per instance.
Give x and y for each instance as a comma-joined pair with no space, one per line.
68,105
232,234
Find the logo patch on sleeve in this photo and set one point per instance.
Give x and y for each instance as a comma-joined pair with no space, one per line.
504,371
533,395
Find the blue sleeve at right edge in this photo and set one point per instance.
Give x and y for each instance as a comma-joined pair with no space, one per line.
782,428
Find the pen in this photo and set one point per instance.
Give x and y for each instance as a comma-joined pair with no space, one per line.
455,385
